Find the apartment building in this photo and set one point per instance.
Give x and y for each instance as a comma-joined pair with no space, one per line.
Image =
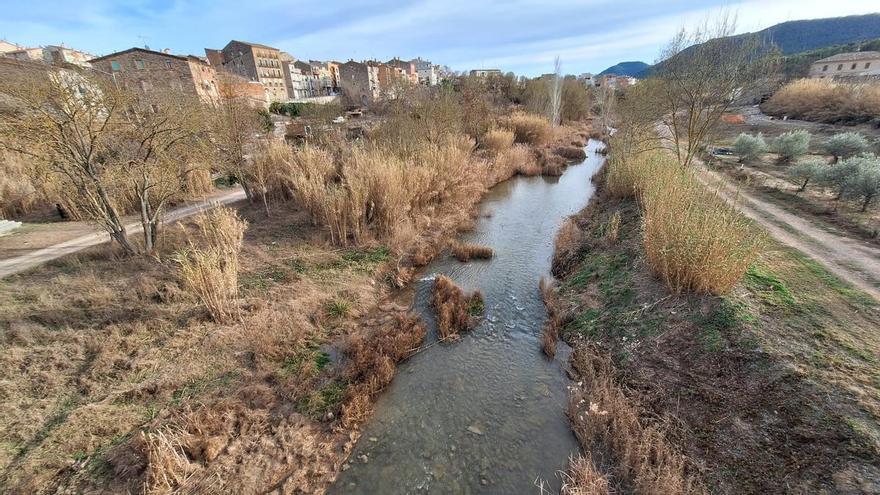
852,65
254,62
426,71
147,71
407,67
485,72
359,81
328,76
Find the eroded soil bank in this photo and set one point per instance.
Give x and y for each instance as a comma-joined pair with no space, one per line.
771,389
485,414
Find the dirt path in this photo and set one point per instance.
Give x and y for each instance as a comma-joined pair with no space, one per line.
853,261
11,266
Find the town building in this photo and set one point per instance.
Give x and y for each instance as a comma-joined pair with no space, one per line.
6,47
613,81
328,76
61,55
485,72
254,62
27,54
587,79
408,68
147,71
852,65
359,81
426,72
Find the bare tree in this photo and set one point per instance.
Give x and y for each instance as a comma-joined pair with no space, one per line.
555,88
235,124
702,74
63,122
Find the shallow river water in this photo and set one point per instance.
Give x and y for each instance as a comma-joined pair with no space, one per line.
485,414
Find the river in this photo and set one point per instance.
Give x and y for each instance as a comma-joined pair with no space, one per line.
485,414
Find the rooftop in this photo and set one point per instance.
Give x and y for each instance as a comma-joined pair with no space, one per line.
849,56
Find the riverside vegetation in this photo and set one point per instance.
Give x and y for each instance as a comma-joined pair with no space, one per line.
708,357
246,349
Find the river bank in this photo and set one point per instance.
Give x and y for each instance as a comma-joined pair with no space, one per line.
117,380
769,389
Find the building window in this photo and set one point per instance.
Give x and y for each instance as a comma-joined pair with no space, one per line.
167,64
824,68
867,65
853,67
139,65
115,66
840,67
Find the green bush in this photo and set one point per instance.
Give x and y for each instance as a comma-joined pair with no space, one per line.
807,171
846,144
749,147
864,184
838,176
791,145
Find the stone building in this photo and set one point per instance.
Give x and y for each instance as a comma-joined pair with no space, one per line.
148,71
254,62
485,72
359,82
408,67
853,65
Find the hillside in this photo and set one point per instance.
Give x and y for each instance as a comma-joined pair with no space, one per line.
625,69
794,37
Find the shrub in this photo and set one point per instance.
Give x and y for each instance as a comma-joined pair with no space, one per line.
749,147
497,140
694,240
210,270
791,145
530,129
824,100
846,144
517,159
465,252
804,172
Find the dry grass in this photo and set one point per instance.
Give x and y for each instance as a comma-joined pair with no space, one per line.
571,153
456,311
693,239
17,193
825,100
583,478
497,140
603,417
550,332
210,270
569,244
612,228
465,252
530,129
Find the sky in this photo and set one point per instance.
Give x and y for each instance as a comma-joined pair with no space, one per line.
523,36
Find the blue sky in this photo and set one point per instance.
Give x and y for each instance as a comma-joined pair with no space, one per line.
522,36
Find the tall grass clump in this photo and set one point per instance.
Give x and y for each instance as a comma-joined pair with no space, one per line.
530,129
209,269
456,311
629,173
791,145
825,100
497,140
693,239
517,159
465,252
749,147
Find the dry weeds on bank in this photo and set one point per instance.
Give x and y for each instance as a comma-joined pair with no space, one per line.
456,312
465,252
826,100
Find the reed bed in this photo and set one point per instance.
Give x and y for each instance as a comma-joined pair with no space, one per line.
530,129
456,311
497,140
465,252
693,239
550,332
209,269
825,100
603,418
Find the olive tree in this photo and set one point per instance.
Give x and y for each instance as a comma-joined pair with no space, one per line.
864,185
792,145
749,147
807,171
845,145
702,74
837,177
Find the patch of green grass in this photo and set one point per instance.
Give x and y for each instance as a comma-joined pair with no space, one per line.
263,279
199,386
769,288
848,292
297,265
326,399
370,257
338,308
476,305
586,323
294,364
728,315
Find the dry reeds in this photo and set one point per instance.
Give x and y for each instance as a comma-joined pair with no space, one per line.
497,140
553,323
571,153
569,243
465,252
826,100
612,228
530,129
456,312
210,269
603,416
583,478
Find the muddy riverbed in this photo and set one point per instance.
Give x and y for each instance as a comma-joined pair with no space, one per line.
485,414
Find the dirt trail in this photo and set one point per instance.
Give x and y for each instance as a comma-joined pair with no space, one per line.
853,261
11,266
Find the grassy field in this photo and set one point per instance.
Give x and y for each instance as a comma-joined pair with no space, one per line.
771,388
